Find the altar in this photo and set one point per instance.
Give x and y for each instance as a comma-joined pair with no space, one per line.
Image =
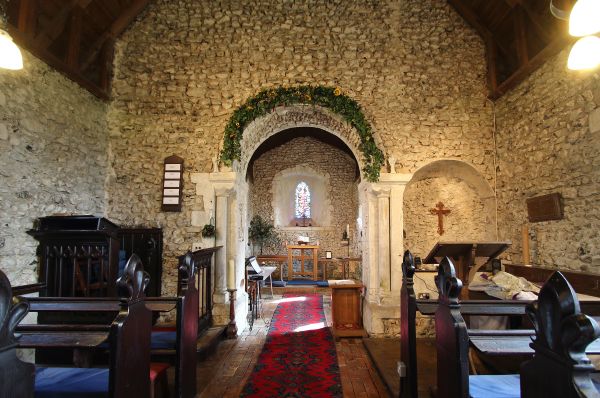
306,255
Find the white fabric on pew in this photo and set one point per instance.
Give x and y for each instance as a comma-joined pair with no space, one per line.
504,286
494,386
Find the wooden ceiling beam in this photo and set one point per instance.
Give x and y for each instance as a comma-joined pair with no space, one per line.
27,18
74,44
106,64
535,62
471,17
491,54
537,23
513,3
115,30
520,37
58,64
57,25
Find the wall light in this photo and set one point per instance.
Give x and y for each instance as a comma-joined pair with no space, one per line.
10,55
585,53
584,20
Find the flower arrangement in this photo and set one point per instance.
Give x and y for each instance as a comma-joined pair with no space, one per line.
208,231
327,97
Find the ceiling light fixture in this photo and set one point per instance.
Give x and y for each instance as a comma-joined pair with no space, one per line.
10,55
584,20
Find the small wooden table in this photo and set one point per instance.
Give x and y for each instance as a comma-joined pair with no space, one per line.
303,257
344,261
346,310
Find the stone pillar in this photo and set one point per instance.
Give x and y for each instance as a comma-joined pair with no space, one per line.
382,251
223,184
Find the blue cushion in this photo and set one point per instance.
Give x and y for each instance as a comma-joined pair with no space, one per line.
596,380
494,386
322,283
122,262
71,382
163,340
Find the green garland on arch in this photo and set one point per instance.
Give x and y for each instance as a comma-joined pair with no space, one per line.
327,97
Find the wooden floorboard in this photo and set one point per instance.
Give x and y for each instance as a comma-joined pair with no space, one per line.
385,354
225,371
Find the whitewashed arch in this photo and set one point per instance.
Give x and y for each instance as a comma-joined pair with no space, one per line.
294,116
455,168
466,172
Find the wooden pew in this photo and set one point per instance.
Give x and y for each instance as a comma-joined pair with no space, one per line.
182,345
559,367
16,376
128,338
410,306
178,346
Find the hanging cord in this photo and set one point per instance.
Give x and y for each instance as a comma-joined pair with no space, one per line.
495,162
425,283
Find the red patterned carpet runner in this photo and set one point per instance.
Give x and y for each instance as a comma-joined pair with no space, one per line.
298,358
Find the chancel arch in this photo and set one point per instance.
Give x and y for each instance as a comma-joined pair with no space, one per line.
311,162
297,116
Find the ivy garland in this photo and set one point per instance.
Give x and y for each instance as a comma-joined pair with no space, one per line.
327,97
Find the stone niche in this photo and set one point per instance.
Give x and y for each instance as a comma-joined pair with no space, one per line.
331,174
463,191
284,187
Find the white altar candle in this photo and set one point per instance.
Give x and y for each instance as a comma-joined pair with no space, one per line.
348,230
231,275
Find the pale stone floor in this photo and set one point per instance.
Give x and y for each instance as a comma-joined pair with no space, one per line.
224,373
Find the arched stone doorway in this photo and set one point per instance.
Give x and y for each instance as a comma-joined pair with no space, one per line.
377,228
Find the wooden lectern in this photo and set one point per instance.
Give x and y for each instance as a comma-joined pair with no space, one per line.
464,254
346,309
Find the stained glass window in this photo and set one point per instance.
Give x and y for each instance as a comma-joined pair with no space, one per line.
302,200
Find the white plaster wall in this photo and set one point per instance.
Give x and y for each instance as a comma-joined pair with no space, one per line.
284,190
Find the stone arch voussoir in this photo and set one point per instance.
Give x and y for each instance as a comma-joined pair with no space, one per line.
292,116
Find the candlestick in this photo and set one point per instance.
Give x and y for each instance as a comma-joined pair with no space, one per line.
231,275
525,236
231,327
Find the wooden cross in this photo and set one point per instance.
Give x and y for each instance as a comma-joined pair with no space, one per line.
441,212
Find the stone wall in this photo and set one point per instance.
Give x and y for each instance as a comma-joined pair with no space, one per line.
468,219
416,68
342,191
53,157
548,132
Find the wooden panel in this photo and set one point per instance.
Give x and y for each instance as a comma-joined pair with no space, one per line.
582,282
545,208
346,310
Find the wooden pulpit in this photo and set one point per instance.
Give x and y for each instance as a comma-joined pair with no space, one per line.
464,255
